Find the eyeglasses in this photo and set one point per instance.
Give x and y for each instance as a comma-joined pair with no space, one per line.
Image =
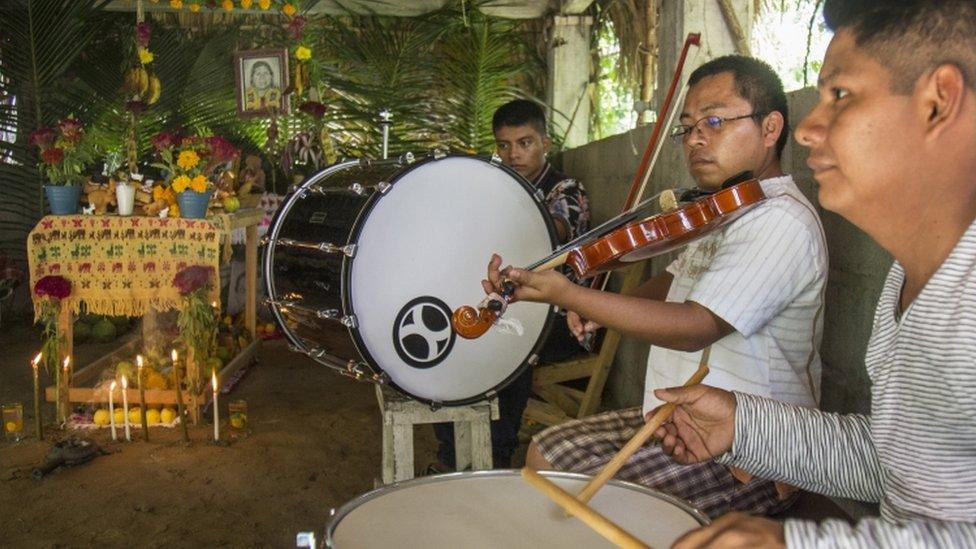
712,124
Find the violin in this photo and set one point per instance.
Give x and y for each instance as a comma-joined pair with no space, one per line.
621,241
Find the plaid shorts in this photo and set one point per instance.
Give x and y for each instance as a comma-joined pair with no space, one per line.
586,445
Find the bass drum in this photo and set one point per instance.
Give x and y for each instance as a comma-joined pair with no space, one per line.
365,261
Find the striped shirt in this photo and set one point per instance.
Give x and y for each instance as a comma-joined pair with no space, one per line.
765,275
916,453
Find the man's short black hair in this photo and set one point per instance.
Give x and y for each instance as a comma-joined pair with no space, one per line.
756,82
910,37
519,113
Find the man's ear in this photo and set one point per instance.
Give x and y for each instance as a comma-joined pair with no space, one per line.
940,95
546,144
772,128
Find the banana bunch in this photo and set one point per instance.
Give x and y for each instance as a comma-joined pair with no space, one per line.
141,83
301,78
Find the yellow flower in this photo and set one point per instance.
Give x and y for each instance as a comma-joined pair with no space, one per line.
246,4
199,184
176,4
288,9
303,54
264,4
228,5
174,210
194,8
187,160
145,56
157,193
180,183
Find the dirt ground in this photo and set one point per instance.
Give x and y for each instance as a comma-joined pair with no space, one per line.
314,444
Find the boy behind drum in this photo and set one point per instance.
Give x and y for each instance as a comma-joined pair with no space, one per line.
522,142
752,291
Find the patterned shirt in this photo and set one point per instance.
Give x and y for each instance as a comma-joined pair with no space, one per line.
916,453
566,199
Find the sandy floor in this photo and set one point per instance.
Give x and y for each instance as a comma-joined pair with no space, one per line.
314,443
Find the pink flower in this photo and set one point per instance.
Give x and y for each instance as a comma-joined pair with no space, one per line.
143,32
192,278
55,287
71,129
221,150
313,108
296,26
165,140
136,106
43,137
52,156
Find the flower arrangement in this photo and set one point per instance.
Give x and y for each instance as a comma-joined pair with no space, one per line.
287,7
50,290
192,162
64,151
197,320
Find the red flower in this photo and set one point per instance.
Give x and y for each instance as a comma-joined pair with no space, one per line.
43,137
296,26
143,33
192,278
52,156
313,108
136,106
221,150
165,140
55,287
71,129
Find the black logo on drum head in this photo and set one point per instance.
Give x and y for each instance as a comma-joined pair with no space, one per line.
422,333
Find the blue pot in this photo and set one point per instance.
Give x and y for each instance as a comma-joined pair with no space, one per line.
193,205
63,199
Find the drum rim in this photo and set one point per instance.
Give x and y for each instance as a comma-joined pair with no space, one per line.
347,272
336,515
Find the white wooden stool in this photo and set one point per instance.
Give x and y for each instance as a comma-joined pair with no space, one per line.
472,432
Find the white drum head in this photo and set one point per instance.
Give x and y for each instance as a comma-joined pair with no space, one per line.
491,509
422,250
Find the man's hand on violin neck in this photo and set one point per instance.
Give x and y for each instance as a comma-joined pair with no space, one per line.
702,426
545,287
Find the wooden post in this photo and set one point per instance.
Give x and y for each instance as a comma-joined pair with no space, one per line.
66,332
193,383
251,278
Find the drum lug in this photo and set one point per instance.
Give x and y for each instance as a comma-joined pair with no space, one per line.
349,321
436,405
358,188
533,360
382,187
539,196
407,159
438,153
305,539
495,159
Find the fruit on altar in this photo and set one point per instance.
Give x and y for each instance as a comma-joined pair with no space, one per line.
119,415
82,332
167,415
125,368
152,416
155,380
232,204
135,415
100,417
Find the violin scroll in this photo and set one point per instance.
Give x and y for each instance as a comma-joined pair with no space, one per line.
471,323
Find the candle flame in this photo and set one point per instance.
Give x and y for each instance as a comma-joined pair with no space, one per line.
174,355
125,383
139,361
213,304
67,361
36,361
112,386
213,381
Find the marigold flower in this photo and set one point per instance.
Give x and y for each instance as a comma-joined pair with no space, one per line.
288,9
264,4
176,4
303,54
145,56
245,4
174,210
180,183
199,184
228,5
188,160
194,7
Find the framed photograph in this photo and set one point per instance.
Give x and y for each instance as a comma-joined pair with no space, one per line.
262,78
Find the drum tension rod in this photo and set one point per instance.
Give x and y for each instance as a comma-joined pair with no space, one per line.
349,250
349,321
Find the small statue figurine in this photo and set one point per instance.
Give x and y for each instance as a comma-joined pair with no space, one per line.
100,196
252,176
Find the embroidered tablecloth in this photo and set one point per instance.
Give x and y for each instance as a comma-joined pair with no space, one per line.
122,265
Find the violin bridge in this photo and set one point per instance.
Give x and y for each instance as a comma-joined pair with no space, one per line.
668,200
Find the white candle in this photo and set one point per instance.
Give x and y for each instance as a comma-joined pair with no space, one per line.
125,408
111,409
213,382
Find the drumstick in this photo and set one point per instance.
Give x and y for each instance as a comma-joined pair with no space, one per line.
599,523
638,440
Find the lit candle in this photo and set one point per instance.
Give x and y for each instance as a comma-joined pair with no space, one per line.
37,398
64,389
111,409
142,401
213,382
125,408
179,397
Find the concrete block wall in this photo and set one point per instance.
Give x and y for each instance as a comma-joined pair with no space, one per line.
857,265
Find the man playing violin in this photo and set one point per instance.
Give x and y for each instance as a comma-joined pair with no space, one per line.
751,291
892,145
522,142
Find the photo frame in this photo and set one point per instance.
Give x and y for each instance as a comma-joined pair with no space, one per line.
262,80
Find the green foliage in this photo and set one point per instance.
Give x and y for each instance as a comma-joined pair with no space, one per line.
197,322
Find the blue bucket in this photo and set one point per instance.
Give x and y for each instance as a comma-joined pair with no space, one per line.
193,205
63,199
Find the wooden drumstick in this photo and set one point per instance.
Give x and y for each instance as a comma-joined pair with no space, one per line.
599,523
645,433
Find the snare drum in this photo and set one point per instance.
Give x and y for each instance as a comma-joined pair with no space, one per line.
500,509
365,261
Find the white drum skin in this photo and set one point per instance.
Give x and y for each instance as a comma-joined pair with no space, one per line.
499,509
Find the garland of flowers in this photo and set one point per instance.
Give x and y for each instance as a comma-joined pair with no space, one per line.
286,7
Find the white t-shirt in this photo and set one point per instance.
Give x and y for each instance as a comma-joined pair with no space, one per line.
764,274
